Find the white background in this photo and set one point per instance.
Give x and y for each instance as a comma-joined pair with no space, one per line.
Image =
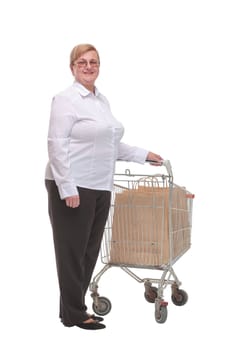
166,68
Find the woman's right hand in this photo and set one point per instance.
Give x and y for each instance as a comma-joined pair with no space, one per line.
73,201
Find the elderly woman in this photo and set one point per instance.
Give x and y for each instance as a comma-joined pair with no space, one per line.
84,142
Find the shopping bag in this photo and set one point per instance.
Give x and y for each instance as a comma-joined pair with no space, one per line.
150,225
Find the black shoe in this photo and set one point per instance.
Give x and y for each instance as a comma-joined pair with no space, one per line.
92,325
96,318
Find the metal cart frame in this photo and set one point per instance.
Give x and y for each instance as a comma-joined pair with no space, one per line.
154,287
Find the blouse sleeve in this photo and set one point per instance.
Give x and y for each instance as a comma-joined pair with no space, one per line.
62,119
132,153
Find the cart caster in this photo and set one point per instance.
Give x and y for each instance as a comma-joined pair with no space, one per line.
102,307
161,311
151,294
179,297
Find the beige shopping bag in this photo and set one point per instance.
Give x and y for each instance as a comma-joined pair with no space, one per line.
140,228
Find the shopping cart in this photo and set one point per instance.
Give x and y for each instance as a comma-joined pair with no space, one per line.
149,226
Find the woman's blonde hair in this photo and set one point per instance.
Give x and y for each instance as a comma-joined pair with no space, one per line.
79,50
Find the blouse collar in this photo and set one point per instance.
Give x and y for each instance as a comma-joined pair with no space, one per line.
84,91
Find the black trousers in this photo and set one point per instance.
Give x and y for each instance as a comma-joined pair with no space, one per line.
77,234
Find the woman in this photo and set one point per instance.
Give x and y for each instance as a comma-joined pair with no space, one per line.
83,146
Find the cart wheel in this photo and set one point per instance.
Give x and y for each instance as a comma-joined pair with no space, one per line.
151,294
103,306
180,297
161,315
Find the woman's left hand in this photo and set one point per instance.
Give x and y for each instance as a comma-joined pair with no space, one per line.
155,159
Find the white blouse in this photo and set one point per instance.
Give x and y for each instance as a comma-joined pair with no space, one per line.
84,142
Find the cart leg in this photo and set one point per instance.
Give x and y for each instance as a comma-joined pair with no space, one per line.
101,305
160,310
94,284
175,289
179,296
151,293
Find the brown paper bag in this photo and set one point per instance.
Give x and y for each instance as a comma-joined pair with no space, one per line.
140,227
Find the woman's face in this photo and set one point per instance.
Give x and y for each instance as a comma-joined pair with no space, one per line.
86,69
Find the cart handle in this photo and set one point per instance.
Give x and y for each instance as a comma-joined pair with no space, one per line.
166,163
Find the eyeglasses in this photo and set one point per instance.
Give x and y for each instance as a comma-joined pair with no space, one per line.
84,63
